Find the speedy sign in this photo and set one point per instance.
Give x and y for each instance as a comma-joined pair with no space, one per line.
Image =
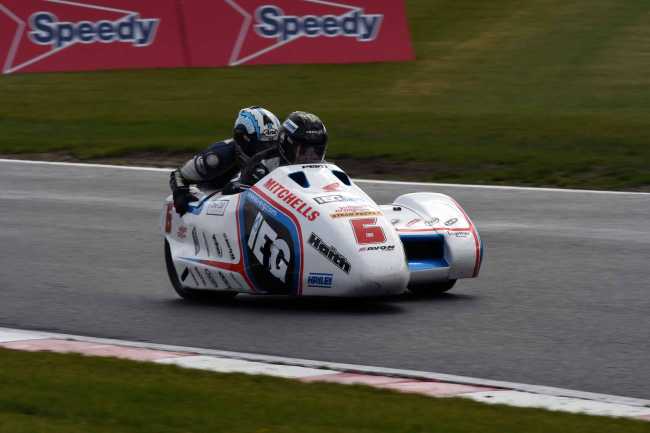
52,35
68,35
297,31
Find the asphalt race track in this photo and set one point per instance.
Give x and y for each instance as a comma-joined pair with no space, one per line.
562,299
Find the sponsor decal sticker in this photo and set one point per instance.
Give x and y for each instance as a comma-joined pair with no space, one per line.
217,246
366,231
451,222
378,248
272,252
318,280
285,195
332,187
211,278
182,232
413,222
198,272
290,126
196,282
231,253
217,207
431,222
330,253
458,234
271,246
394,221
354,211
334,199
224,280
195,238
205,241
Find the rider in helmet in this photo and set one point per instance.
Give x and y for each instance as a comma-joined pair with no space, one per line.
303,139
255,129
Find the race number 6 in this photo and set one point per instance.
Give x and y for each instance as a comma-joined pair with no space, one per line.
366,231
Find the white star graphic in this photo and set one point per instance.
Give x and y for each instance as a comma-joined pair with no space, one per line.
9,67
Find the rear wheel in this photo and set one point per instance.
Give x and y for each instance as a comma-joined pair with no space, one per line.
191,294
431,289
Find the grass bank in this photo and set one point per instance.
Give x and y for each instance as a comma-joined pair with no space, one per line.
543,92
46,392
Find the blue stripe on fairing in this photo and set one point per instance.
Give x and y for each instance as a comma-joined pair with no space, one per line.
196,209
424,265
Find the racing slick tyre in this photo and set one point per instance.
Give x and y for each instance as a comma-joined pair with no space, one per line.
191,294
423,290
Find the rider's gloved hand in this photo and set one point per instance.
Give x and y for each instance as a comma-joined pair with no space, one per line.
181,192
182,198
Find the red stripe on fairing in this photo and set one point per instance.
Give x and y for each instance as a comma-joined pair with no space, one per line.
290,214
477,242
232,267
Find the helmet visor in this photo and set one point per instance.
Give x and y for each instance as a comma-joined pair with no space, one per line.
310,153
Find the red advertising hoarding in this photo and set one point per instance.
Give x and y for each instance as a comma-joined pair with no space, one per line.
67,35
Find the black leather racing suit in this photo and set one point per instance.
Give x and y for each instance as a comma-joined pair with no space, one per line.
215,167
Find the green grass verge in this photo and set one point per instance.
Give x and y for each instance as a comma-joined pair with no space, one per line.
46,392
542,92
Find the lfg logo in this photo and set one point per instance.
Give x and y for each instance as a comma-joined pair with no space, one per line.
273,23
47,29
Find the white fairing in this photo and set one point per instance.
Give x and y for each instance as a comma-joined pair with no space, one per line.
308,230
453,246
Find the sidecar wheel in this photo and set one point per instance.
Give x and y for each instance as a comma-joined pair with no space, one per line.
191,294
424,290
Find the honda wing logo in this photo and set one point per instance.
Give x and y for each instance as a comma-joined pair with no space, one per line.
44,28
267,27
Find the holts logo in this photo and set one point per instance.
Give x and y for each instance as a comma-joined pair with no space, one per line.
330,253
47,29
273,23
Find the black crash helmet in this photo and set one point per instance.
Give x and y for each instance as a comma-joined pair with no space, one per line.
304,139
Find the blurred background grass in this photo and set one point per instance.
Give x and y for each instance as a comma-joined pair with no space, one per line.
529,92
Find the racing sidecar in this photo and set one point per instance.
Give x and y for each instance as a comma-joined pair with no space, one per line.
308,230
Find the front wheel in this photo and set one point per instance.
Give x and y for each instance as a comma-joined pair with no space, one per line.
431,289
191,294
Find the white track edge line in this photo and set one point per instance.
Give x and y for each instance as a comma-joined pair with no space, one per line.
378,182
354,368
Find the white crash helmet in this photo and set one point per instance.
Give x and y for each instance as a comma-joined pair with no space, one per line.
256,129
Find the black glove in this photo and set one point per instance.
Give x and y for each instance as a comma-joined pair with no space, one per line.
181,192
182,198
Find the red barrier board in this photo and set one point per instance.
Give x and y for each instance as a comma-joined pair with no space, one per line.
79,35
236,32
62,35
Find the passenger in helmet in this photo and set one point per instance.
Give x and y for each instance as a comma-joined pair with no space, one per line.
255,130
